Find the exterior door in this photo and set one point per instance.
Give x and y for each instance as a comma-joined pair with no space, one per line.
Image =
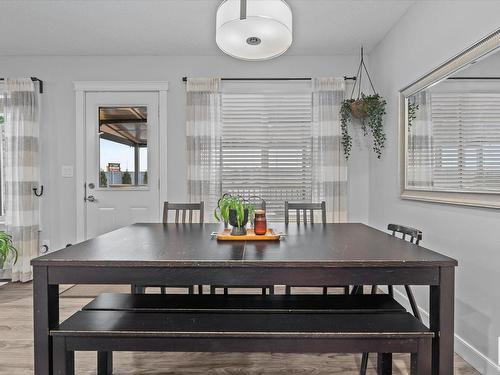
122,185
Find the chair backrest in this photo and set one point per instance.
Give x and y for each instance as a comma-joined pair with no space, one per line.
415,235
304,207
183,209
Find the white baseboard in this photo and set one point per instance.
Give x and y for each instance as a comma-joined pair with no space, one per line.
469,353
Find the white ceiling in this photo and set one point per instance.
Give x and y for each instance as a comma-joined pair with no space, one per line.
180,27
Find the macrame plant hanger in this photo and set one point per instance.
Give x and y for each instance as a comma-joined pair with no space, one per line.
359,79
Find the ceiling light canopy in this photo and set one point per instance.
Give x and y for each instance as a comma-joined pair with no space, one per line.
254,29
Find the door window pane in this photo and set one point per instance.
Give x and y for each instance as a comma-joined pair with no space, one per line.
123,138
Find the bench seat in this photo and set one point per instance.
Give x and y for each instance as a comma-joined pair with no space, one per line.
246,303
108,331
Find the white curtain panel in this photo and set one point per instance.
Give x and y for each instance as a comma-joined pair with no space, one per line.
420,145
21,171
329,164
203,132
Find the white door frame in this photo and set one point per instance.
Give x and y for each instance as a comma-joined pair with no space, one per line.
81,88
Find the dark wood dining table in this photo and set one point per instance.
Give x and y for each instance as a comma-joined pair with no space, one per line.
186,254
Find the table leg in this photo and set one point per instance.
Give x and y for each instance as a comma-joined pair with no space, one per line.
442,305
45,317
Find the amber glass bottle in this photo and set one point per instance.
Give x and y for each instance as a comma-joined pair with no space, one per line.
260,222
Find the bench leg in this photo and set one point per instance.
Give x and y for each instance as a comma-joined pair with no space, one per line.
63,360
421,363
364,364
104,363
384,363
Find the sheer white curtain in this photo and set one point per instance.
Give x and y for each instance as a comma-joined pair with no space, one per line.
420,147
329,165
21,171
203,132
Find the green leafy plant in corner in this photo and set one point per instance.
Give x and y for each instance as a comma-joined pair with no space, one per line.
126,178
7,248
369,110
103,180
233,202
2,120
412,113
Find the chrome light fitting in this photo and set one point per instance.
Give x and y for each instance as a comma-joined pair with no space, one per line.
254,29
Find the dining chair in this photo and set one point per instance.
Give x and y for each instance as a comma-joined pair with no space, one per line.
181,211
301,209
414,236
259,203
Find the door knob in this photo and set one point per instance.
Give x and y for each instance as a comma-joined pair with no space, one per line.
90,198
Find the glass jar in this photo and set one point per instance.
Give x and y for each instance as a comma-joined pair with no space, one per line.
260,222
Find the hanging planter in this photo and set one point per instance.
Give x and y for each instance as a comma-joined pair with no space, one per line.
368,110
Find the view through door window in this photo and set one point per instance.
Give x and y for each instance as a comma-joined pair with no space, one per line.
123,142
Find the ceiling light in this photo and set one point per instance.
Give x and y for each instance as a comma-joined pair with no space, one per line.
254,29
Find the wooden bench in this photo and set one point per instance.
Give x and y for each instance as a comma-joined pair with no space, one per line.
374,303
108,331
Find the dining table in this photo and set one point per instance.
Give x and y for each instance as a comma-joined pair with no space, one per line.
188,254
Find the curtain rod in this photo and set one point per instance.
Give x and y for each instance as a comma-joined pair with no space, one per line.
353,78
34,79
473,78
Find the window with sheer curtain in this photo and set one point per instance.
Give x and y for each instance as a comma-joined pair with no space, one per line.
460,151
278,140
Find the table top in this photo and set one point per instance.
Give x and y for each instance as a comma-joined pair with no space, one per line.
188,245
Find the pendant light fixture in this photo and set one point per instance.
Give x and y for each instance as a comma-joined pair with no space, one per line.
254,29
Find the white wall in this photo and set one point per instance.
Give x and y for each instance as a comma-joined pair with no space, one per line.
58,124
427,35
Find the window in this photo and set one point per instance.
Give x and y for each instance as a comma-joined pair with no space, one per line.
266,146
466,141
2,148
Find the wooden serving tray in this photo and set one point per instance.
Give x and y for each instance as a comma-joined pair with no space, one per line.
271,235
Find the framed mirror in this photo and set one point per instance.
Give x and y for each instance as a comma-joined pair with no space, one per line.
449,127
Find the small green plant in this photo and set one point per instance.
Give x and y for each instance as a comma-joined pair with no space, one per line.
145,178
7,249
103,180
2,120
369,109
412,113
126,178
233,202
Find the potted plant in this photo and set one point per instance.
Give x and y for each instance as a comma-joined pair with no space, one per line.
367,109
235,210
7,249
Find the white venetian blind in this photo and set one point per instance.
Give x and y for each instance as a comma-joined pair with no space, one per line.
266,142
466,141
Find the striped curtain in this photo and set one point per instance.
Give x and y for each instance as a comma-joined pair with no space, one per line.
203,132
329,167
21,171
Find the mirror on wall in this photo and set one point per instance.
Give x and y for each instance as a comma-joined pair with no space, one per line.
450,130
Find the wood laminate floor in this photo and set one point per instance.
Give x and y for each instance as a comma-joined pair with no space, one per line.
16,350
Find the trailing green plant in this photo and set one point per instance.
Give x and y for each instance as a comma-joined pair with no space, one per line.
370,111
412,113
7,248
233,202
126,178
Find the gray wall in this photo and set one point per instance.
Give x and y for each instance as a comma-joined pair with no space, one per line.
429,34
58,123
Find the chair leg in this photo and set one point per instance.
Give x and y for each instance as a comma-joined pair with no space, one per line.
191,289
384,363
288,289
226,291
390,289
163,290
346,289
413,303
374,289
213,289
63,360
200,289
271,289
364,364
104,363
